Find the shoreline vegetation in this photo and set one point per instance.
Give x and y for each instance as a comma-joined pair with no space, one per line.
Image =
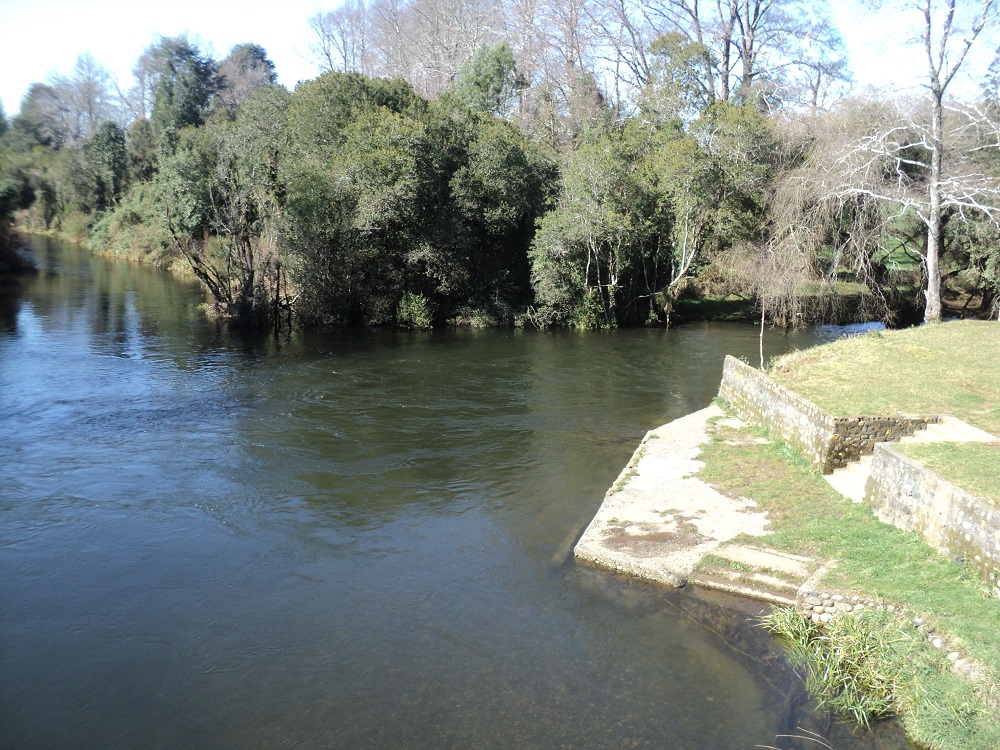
512,190
903,661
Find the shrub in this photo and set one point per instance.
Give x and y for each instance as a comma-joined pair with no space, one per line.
413,311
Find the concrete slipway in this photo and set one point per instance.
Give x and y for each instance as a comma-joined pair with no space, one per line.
661,523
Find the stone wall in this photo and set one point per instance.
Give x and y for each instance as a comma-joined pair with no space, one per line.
910,496
828,442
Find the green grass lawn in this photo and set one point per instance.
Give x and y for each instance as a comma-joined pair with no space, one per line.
950,368
937,707
947,369
975,467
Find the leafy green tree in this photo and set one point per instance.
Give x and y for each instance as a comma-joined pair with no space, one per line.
185,86
142,151
320,109
377,190
107,157
240,262
582,253
183,185
358,171
499,192
488,81
679,83
245,69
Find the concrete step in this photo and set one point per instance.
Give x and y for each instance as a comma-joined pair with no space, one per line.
765,558
744,586
938,433
950,430
966,432
757,572
850,480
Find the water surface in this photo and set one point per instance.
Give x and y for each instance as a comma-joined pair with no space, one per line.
345,540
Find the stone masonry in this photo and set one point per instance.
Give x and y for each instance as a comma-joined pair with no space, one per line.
829,442
910,496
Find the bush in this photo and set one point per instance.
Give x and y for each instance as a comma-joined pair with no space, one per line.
414,311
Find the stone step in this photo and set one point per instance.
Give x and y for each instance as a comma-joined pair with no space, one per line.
938,433
767,559
758,572
965,432
850,480
750,587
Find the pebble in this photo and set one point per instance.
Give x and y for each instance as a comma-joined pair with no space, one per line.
937,643
962,666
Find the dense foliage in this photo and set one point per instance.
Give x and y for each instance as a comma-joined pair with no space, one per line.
503,186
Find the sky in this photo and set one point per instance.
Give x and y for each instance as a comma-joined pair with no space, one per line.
41,37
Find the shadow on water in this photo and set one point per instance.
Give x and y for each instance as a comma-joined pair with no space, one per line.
346,539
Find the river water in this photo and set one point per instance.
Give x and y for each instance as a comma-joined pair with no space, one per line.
351,540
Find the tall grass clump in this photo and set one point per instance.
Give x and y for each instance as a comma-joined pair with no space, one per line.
871,664
854,664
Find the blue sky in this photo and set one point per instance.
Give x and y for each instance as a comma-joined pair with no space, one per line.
38,37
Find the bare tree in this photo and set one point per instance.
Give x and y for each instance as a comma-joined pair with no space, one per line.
925,157
90,95
946,44
755,42
343,38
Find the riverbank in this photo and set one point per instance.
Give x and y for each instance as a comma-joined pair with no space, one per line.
944,683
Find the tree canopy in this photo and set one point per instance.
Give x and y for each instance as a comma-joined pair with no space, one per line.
594,163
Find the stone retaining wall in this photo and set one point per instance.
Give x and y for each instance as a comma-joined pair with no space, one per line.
828,442
910,496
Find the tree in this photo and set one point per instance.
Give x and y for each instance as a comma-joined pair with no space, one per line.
186,82
945,55
106,157
43,118
498,192
924,158
488,81
244,70
376,192
344,38
358,172
221,196
592,249
90,95
754,44
142,151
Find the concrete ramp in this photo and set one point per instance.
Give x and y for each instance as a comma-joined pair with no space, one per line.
659,520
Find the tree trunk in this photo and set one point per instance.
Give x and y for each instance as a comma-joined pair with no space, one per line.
935,223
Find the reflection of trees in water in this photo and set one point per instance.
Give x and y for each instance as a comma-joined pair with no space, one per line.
125,304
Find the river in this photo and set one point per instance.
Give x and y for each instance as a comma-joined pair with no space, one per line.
351,539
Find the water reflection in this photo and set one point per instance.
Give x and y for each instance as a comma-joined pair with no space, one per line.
353,539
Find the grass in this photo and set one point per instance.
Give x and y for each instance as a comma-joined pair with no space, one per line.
938,708
975,467
949,368
714,561
877,663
